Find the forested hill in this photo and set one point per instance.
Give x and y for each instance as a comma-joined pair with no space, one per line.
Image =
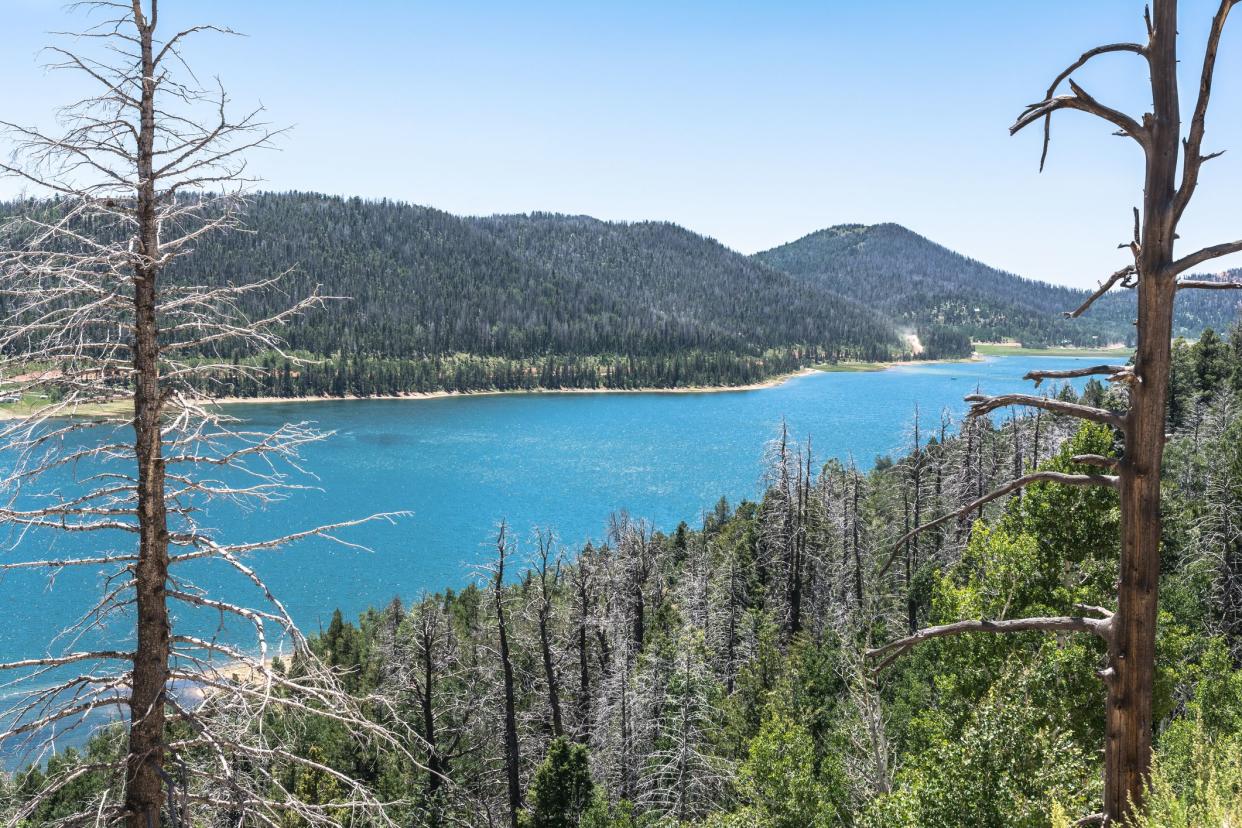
664,285
919,283
437,302
421,281
440,301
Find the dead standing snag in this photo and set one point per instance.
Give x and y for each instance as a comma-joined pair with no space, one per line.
1131,630
144,166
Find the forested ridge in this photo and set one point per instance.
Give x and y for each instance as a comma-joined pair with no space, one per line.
439,302
918,283
713,676
422,300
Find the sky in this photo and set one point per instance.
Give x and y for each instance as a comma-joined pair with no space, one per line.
754,123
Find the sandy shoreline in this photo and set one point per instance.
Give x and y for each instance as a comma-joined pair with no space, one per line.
438,395
844,367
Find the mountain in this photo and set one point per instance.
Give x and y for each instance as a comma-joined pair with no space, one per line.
434,302
437,301
919,284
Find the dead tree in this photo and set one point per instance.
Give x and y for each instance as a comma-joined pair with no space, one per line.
429,633
682,778
614,747
726,603
915,480
856,544
940,455
142,168
870,759
425,659
548,565
634,557
1218,522
785,527
1156,273
585,589
512,755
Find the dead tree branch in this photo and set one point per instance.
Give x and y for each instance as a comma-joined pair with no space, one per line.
981,404
1123,275
1095,370
1069,623
1010,487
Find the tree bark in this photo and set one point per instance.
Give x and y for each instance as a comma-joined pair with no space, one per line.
913,558
512,758
144,794
545,645
858,562
798,547
435,770
584,656
1132,652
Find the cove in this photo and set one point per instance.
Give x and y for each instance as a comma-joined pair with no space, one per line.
567,461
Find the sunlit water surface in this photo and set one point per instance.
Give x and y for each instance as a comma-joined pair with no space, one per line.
460,465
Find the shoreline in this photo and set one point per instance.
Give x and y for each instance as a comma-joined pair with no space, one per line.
774,382
994,350
440,395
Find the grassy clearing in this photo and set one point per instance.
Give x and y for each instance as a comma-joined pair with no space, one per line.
33,403
850,367
1007,349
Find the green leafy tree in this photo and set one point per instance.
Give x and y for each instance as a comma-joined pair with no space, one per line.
780,781
1181,384
562,791
1212,367
314,787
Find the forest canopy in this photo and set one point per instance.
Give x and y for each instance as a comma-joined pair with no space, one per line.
712,675
429,301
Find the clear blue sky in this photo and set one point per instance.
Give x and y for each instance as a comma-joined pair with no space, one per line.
752,122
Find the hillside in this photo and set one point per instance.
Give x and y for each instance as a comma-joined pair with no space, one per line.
421,281
437,302
671,287
919,283
710,675
440,301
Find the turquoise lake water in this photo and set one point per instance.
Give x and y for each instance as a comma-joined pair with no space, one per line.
563,461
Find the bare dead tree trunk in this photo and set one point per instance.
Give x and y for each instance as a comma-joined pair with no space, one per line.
1039,417
545,542
909,560
842,528
941,458
633,551
147,164
731,626
913,558
798,546
144,793
582,581
627,731
1130,631
435,768
512,757
858,561
1132,650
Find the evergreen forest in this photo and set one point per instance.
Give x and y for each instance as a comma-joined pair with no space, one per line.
418,300
713,674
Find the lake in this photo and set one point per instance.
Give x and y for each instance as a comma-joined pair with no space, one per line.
562,461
